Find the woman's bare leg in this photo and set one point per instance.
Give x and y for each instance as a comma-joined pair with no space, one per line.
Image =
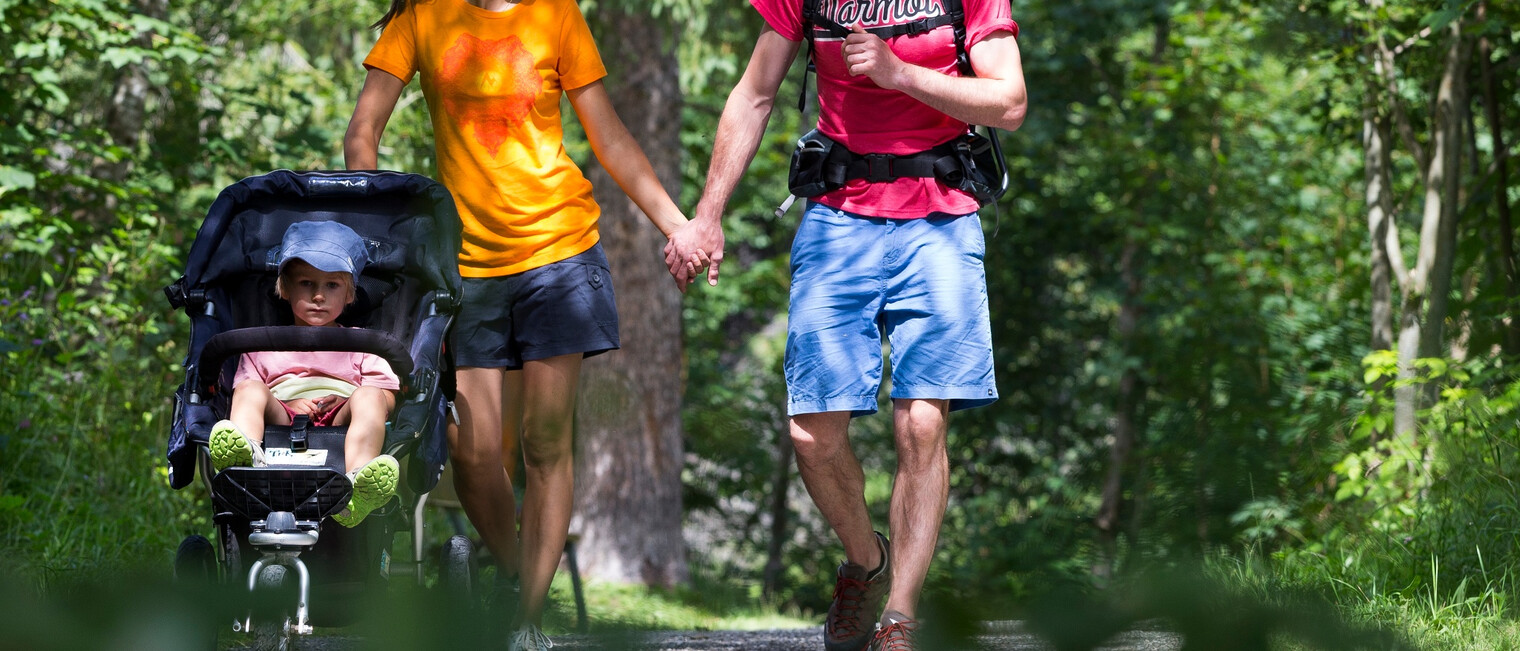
479,478
549,390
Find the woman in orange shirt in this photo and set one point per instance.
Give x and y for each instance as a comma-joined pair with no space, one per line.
537,295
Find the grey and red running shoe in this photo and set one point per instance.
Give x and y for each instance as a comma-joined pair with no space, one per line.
894,633
858,595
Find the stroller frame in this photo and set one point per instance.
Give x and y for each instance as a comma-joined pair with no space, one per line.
408,293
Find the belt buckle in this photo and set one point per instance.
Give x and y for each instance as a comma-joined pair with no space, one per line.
879,167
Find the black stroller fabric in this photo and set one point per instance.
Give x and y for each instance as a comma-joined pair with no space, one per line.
407,297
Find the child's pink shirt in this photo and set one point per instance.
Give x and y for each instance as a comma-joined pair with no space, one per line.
358,369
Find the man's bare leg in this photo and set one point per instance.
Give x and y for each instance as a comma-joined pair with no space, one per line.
836,482
919,494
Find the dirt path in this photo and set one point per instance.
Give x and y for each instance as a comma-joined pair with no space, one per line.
998,636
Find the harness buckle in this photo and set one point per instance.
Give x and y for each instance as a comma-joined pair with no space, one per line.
298,433
879,167
917,27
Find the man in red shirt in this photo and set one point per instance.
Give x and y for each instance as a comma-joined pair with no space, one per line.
877,254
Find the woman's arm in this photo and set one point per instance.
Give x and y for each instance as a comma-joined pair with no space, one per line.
361,145
622,157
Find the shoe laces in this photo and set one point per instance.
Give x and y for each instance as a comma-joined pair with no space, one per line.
896,636
850,594
530,638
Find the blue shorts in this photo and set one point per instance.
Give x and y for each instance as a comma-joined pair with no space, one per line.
918,281
560,308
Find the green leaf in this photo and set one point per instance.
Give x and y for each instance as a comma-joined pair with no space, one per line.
12,178
1438,20
123,56
10,503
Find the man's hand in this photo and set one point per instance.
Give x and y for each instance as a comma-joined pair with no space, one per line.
696,247
866,54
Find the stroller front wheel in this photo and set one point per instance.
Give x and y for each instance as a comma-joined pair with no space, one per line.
270,623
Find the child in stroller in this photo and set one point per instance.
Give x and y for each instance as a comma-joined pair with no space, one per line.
318,265
269,520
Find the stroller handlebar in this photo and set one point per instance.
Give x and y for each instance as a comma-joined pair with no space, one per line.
226,345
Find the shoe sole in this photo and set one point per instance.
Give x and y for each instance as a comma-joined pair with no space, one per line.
374,485
229,447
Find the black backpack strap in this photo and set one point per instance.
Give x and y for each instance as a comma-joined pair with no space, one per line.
813,20
885,32
957,14
810,16
940,161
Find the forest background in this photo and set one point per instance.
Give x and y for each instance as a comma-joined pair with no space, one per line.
1252,292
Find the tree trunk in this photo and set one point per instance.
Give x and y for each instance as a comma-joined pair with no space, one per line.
1380,225
127,112
1427,294
780,525
1506,227
1121,454
1444,189
628,477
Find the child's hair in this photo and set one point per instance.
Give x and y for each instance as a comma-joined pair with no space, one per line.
397,6
279,287
326,246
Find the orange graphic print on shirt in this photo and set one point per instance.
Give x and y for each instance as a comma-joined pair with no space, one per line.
494,86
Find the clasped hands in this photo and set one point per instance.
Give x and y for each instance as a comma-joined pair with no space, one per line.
697,246
314,407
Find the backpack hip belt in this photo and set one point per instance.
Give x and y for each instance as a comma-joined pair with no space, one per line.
821,165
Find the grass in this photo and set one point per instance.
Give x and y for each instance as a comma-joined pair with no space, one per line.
707,603
83,483
615,607
1477,615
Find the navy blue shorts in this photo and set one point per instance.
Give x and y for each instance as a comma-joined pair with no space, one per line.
558,309
919,282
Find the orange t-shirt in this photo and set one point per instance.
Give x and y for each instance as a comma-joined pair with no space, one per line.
493,82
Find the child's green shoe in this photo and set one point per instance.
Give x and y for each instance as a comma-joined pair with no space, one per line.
374,484
230,447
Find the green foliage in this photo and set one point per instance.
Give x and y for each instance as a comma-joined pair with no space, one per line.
1432,520
1199,160
86,353
95,212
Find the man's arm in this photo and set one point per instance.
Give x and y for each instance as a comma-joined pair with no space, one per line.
739,132
996,97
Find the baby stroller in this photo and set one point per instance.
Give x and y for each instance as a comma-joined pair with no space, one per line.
270,521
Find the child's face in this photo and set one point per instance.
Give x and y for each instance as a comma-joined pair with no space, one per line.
316,297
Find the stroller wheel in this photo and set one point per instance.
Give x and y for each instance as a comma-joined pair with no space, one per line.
195,561
195,568
457,569
271,610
